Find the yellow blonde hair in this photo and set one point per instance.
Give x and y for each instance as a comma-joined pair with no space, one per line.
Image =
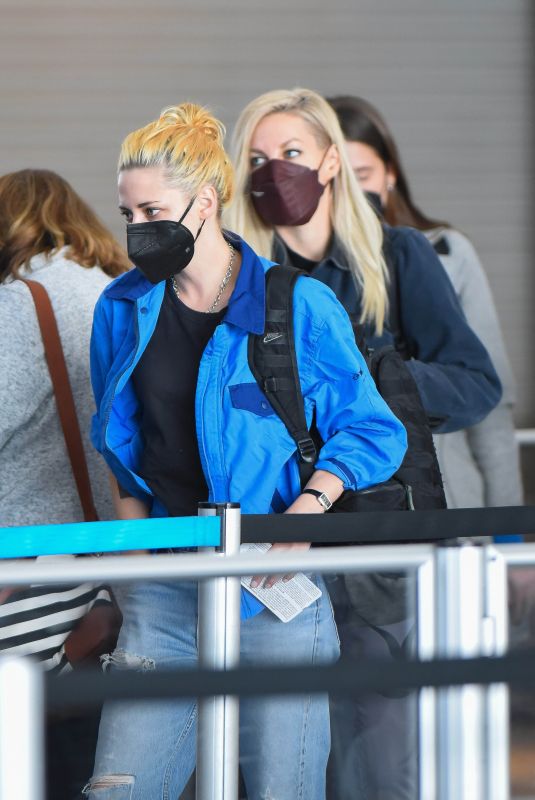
355,223
187,141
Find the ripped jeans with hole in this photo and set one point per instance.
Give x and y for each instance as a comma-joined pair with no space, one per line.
146,750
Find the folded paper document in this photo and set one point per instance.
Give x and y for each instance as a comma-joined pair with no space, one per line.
286,599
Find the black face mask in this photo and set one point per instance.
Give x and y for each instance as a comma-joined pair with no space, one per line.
162,248
374,199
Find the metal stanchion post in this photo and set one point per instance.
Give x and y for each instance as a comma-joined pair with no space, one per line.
427,697
219,648
495,633
21,730
460,589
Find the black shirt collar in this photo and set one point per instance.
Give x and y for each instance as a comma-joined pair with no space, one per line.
335,255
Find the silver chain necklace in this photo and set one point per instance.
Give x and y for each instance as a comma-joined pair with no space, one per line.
223,285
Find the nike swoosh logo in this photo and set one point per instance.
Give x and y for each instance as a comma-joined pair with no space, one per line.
270,337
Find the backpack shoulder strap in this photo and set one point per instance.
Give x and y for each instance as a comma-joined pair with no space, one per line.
63,394
273,361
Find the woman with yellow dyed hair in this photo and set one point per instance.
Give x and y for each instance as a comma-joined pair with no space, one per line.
180,419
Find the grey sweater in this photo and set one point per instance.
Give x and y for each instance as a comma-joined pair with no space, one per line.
36,482
480,465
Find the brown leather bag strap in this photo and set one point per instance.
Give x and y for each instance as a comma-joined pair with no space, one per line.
63,394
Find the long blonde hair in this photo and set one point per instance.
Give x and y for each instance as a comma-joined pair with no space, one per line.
356,225
41,213
187,141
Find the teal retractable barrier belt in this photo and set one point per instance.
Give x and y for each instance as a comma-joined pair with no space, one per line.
107,537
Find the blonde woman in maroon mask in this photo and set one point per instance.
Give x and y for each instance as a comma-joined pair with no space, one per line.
298,201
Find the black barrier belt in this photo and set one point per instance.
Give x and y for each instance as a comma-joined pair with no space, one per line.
87,689
369,527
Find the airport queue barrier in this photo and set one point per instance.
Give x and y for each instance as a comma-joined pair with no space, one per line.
461,616
525,437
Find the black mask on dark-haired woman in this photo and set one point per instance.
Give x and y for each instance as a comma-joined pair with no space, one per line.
161,248
374,199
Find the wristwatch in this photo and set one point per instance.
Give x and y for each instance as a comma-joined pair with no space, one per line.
321,497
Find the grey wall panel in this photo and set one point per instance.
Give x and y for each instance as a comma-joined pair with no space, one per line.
452,77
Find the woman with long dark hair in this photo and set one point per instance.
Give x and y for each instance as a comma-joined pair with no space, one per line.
480,464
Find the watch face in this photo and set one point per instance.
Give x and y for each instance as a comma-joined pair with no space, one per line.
325,502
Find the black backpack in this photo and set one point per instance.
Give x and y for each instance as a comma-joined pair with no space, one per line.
417,484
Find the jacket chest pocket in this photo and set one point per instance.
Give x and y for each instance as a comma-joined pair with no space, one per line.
249,397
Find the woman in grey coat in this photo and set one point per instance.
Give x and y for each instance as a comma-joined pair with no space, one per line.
480,465
48,234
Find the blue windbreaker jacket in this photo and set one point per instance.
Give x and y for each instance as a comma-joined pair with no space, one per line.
246,452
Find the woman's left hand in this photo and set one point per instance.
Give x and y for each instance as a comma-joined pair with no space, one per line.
278,548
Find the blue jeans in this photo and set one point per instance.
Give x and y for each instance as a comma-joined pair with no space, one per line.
146,750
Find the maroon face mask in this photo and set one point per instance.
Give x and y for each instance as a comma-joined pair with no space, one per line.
284,193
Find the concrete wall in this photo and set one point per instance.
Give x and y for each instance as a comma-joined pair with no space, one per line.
451,76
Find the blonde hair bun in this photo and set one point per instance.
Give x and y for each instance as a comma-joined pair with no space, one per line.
187,140
197,118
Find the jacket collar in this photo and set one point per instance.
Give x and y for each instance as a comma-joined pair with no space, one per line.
246,307
129,286
335,255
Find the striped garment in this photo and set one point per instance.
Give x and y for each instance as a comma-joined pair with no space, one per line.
36,620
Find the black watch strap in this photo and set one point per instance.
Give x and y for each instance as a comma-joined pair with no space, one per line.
321,497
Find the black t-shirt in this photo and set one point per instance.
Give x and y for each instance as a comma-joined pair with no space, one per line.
300,262
165,381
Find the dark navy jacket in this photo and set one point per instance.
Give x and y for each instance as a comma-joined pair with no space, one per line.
457,381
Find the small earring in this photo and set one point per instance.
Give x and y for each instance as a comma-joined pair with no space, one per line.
389,187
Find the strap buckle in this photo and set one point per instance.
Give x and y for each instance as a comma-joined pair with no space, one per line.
270,385
307,450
